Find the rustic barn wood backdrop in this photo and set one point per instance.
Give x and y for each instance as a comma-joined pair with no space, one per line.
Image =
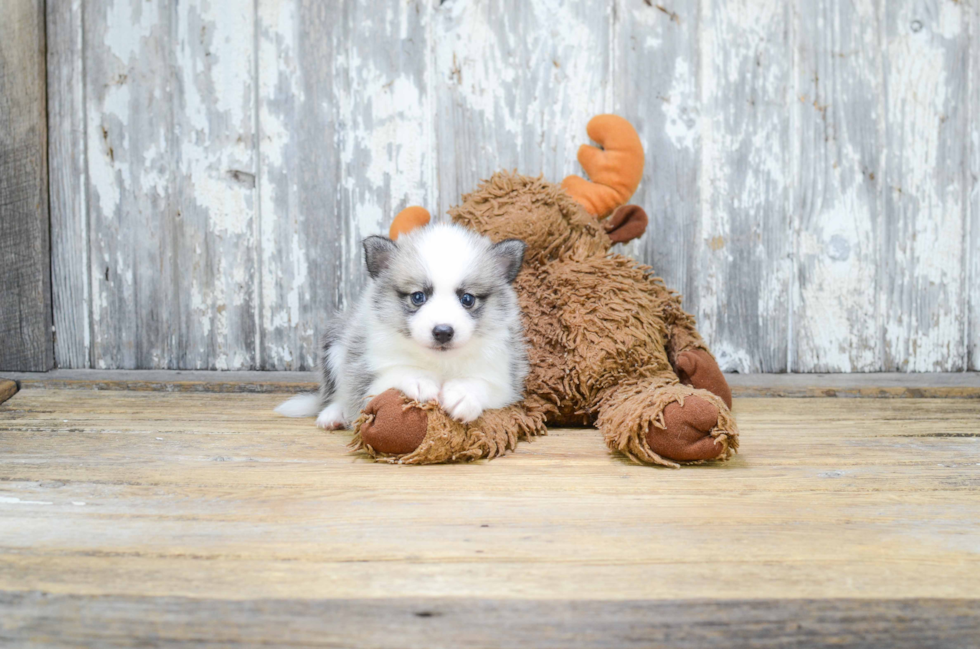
811,177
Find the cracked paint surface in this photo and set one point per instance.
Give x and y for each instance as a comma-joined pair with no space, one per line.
812,168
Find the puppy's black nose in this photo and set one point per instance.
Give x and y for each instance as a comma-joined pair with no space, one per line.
442,333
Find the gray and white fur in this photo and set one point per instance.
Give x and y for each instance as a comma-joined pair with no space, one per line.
439,321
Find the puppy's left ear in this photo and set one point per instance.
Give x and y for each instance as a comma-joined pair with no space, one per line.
378,252
510,255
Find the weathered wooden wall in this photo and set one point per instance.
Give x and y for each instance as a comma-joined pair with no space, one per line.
812,172
25,276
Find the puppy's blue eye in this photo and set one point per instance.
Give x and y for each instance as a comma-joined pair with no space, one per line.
418,298
467,300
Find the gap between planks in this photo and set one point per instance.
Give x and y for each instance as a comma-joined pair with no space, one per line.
954,385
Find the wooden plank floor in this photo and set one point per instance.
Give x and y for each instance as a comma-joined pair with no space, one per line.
164,518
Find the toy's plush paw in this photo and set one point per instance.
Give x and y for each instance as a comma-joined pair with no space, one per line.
687,436
393,429
698,369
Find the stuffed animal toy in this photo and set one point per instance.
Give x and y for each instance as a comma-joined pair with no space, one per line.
609,344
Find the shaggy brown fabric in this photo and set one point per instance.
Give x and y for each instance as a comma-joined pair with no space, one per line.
606,341
446,440
539,213
595,323
637,413
699,369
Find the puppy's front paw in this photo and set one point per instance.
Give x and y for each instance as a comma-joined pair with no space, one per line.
460,402
420,389
331,418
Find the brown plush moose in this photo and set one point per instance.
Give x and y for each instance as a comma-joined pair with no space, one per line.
609,344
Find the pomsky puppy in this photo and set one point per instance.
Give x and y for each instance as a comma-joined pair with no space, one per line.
439,321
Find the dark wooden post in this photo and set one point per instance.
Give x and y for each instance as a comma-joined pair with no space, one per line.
26,341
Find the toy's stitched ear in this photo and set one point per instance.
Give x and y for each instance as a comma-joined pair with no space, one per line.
628,222
615,170
407,220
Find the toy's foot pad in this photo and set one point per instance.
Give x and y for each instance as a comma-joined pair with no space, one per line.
687,436
393,428
698,369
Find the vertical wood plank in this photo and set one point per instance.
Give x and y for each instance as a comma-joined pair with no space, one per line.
68,185
170,121
973,178
657,88
131,157
388,152
926,45
25,275
346,142
302,82
840,89
517,81
745,242
214,185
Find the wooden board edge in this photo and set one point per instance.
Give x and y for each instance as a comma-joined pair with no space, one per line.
216,386
868,386
7,389
858,392
76,620
26,337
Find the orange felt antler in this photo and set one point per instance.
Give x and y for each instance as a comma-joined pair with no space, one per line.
616,169
407,220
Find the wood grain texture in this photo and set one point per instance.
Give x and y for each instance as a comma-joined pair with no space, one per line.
346,141
926,47
7,389
388,153
836,315
657,87
25,277
973,244
516,84
744,283
218,163
68,186
933,385
131,157
213,68
180,380
213,496
302,84
170,108
430,623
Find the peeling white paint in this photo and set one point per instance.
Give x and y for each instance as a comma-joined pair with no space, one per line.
682,124
237,153
836,300
10,500
924,190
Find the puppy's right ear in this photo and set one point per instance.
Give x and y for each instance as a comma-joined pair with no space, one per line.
378,252
510,257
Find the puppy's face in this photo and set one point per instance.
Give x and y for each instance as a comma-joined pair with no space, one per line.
442,284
